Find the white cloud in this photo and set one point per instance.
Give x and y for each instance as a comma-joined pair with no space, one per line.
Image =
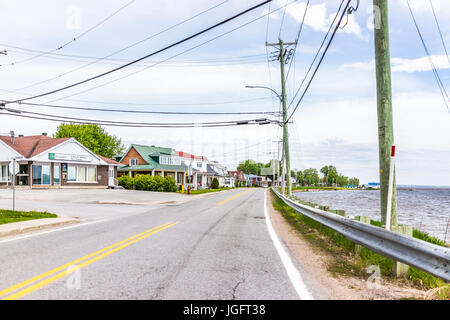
319,19
403,65
424,6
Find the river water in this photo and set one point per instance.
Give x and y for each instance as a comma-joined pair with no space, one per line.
426,209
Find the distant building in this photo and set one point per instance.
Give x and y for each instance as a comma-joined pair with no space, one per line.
142,159
373,185
45,162
239,177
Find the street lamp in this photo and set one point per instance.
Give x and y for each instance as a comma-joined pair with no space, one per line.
261,87
13,169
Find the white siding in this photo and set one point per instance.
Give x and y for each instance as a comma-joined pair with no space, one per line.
70,147
6,153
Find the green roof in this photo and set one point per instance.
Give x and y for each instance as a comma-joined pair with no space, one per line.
147,152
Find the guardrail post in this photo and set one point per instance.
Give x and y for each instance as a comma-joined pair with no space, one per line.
363,219
401,269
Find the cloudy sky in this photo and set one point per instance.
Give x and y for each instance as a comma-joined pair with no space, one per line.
335,124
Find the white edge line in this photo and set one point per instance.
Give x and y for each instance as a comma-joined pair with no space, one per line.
50,231
294,275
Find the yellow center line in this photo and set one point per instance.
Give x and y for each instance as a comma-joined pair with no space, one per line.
47,281
72,263
233,197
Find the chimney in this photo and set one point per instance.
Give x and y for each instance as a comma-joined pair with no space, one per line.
44,133
12,136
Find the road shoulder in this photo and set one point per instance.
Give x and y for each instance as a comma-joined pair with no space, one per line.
314,261
22,227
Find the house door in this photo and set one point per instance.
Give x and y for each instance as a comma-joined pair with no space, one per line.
111,179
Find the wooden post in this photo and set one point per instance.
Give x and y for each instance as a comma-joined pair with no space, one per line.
384,108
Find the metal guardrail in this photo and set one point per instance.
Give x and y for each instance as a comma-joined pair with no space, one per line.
425,256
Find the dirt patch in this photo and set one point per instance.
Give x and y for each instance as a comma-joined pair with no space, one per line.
316,262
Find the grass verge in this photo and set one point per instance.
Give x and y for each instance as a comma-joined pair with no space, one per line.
306,188
9,216
348,261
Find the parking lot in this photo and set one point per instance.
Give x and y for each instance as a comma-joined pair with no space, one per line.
90,204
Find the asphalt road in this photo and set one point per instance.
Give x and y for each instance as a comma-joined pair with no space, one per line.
215,247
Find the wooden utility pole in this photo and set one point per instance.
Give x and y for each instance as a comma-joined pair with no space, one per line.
384,108
286,163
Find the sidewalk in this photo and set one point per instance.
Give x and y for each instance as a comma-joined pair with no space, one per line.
9,229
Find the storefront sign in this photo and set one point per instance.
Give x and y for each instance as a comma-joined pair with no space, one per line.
69,157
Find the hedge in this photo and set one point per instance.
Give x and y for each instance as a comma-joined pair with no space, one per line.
148,183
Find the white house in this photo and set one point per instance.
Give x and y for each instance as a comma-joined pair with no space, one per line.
226,179
44,162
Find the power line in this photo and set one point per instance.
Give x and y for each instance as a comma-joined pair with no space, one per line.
143,111
282,20
171,57
298,37
435,72
317,54
77,58
439,29
97,59
77,37
149,55
124,125
51,117
321,59
155,104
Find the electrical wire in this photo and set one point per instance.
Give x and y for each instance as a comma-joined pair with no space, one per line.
317,54
97,59
171,57
127,123
440,33
77,37
82,58
282,20
149,55
267,56
320,61
298,37
435,72
145,112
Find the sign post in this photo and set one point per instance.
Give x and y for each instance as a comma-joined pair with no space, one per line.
390,189
14,170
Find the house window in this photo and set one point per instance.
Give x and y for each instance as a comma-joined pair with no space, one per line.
133,162
56,177
4,173
41,174
82,174
72,173
199,164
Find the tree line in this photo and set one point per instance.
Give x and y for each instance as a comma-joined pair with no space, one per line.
307,177
331,177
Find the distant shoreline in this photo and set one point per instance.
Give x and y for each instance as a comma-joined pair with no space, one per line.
399,187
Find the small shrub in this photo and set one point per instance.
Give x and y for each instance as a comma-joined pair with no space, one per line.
126,181
215,184
169,184
143,182
157,184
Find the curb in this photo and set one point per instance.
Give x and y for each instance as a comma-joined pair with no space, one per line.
14,228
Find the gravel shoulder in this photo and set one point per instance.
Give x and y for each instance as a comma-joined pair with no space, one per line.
315,260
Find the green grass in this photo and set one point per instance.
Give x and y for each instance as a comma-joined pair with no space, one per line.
347,260
319,188
9,216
